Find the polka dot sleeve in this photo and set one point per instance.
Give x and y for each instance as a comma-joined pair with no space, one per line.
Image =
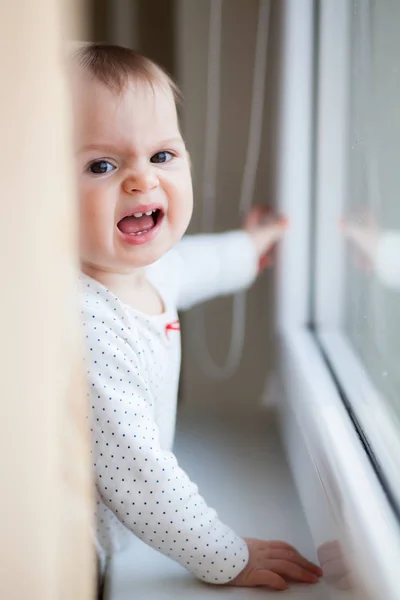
139,481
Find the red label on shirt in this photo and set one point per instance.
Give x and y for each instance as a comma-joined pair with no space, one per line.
173,326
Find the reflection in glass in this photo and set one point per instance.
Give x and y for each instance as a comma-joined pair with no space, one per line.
335,568
372,213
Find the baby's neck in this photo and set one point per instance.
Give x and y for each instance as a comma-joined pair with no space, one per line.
114,281
132,288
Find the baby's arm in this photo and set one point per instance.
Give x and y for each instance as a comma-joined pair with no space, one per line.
139,481
220,264
215,265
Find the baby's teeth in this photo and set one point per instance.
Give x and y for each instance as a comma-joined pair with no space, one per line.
137,215
150,212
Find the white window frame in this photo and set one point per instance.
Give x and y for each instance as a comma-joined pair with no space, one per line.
313,412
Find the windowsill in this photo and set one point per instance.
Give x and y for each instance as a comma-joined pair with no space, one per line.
241,470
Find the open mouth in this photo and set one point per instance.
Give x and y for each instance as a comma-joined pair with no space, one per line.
140,223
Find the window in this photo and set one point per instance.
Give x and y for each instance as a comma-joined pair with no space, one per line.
357,288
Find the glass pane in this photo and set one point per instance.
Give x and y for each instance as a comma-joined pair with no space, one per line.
372,219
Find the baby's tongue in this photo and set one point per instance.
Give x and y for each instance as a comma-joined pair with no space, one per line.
136,224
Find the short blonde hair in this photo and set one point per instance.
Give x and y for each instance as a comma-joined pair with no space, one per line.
115,66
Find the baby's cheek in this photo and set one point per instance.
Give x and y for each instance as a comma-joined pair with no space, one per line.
93,205
186,194
188,202
93,222
183,210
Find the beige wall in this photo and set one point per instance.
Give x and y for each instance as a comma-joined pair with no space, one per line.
238,43
46,501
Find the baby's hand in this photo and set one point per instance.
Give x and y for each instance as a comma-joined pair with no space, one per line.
271,564
267,230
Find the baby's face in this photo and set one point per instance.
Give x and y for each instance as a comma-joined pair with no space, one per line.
132,161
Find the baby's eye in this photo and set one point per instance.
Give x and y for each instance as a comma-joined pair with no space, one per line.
99,167
162,157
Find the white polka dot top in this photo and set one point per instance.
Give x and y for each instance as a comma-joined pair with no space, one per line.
133,363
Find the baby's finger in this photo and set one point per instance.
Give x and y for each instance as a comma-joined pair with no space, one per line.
282,220
279,544
290,570
275,232
263,577
257,214
265,262
298,559
280,225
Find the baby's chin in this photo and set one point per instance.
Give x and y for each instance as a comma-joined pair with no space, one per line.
146,255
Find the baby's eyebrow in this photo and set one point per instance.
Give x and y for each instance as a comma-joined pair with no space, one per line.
98,146
112,148
173,140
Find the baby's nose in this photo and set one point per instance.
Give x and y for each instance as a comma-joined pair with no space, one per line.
140,183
